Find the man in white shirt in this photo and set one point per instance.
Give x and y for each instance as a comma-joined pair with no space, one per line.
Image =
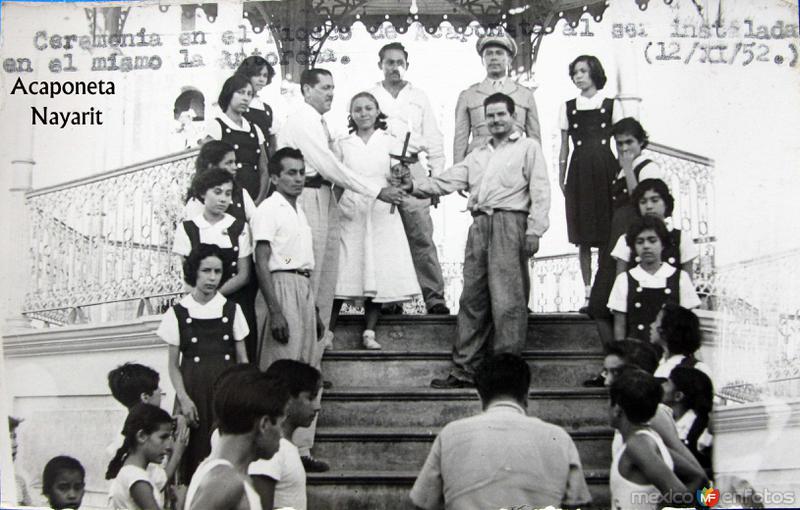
285,263
281,480
408,111
501,458
306,129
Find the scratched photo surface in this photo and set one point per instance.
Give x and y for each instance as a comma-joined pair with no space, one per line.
102,106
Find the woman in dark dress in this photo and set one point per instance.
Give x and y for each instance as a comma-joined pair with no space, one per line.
587,121
205,333
260,73
247,139
631,139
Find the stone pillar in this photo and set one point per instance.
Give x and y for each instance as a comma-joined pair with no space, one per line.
17,274
627,85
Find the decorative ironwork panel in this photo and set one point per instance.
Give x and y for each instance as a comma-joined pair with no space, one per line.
108,239
691,181
759,328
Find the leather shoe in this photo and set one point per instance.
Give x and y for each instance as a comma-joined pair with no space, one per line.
439,309
313,465
597,381
451,382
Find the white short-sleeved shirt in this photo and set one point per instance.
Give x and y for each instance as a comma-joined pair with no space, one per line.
119,493
684,424
589,103
214,130
618,301
286,468
649,171
195,207
216,234
287,231
688,249
168,329
666,365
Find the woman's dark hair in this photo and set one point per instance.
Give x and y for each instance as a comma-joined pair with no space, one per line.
657,186
698,391
207,179
643,223
142,417
58,465
252,66
631,126
596,72
680,330
231,85
199,253
211,154
380,121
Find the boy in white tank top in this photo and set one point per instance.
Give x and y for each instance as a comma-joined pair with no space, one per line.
250,409
641,476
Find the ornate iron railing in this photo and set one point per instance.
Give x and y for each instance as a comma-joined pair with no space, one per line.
101,247
758,305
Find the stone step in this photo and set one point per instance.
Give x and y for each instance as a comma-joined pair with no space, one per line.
548,332
388,490
403,449
572,408
346,368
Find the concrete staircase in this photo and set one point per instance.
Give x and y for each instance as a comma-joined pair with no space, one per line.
381,417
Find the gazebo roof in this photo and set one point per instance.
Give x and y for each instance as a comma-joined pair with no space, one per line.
537,15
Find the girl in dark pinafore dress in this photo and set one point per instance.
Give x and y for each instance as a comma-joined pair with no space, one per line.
205,333
587,120
260,73
247,140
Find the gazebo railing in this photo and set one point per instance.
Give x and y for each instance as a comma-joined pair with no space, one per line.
101,247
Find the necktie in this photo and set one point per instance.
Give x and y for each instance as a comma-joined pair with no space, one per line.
327,133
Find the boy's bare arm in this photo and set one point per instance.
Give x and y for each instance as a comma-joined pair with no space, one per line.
222,489
645,457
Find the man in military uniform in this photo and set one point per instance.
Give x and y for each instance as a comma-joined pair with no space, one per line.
496,51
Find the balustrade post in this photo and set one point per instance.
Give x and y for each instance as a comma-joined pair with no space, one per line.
16,252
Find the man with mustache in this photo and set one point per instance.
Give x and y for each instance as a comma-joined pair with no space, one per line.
408,110
509,201
496,52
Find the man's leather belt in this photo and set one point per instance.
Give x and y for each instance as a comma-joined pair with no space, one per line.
316,182
301,272
492,211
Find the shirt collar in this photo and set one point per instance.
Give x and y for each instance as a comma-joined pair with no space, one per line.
188,301
505,405
310,109
512,138
664,272
202,223
228,122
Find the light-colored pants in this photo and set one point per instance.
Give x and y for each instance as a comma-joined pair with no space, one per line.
322,212
418,225
297,304
493,310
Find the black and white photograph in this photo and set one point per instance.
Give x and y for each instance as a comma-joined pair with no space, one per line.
400,254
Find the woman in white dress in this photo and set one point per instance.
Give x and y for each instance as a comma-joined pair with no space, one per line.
374,258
